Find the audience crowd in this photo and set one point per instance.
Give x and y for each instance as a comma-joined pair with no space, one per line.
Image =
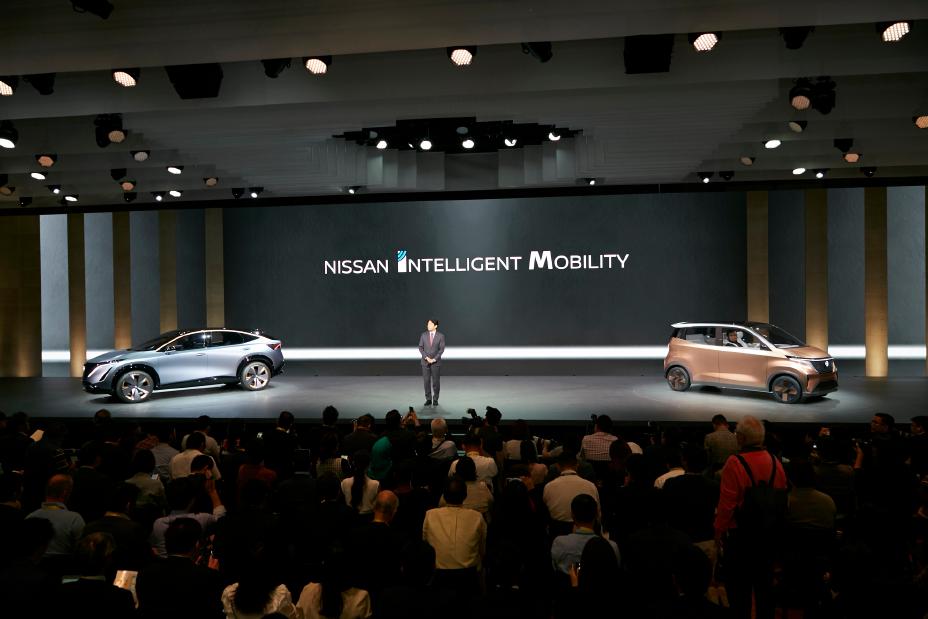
403,519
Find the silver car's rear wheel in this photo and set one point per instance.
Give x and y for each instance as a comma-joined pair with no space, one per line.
678,378
255,376
134,386
786,389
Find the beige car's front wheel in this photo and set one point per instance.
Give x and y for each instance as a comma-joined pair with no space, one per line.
786,390
678,378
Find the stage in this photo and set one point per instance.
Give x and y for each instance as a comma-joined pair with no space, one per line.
544,399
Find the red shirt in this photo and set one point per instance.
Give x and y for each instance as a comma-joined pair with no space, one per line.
735,479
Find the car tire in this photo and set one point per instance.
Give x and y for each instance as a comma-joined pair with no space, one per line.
786,390
133,386
254,375
678,378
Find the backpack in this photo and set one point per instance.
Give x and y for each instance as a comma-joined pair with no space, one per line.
763,511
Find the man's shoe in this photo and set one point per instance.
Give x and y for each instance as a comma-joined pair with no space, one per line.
427,403
435,402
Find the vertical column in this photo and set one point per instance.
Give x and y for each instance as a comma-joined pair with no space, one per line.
20,297
926,277
876,314
167,269
215,269
816,268
122,282
77,294
757,242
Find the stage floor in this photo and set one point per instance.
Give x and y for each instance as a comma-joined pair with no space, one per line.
548,399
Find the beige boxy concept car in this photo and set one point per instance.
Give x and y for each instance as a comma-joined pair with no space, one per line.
755,356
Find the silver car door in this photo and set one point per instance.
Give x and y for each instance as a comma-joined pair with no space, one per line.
183,360
225,352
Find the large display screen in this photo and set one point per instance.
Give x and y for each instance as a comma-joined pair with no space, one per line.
572,271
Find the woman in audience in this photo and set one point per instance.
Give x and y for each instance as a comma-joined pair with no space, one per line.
529,457
144,477
334,597
479,497
360,490
594,580
256,594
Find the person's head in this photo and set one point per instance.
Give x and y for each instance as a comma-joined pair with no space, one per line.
882,423
122,499
164,432
527,452
471,442
90,454
256,585
493,416
750,432
94,552
619,451
385,506
522,473
328,446
58,489
18,422
694,458
600,568
196,440
583,509
636,468
691,571
361,461
455,491
432,324
802,474
202,465
439,428
202,424
719,421
519,430
102,417
919,425
366,421
254,451
182,537
567,461
417,562
604,424
180,494
329,415
393,420
466,469
285,420
328,486
143,461
733,336
337,576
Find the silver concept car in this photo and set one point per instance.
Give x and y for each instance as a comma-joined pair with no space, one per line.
189,358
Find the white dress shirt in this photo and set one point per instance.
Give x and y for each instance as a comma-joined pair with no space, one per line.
180,464
458,535
486,467
559,493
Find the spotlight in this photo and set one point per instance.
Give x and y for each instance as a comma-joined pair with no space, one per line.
823,95
175,169
211,181
381,144
127,78
648,53
109,130
798,126
795,36
554,136
129,196
196,81
8,84
140,155
100,8
921,121
705,41
25,200
44,83
37,176
254,192
587,181
317,65
127,185
771,144
353,189
71,197
868,172
541,51
798,171
118,173
727,175
425,144
462,56
176,193
892,32
746,160
157,195
7,190
844,144
8,134
275,66
800,95
46,161
821,172
852,157
238,192
704,176
510,142
55,189
468,143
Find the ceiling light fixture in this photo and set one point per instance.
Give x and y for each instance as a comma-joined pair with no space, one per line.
317,65
462,56
157,195
25,200
8,134
727,174
127,185
425,144
868,171
797,126
704,176
798,171
175,169
273,67
254,192
140,155
892,32
746,160
196,81
468,143
37,176
771,144
648,53
554,136
704,41
71,197
510,142
795,36
129,196
381,144
176,193
55,189
8,84
127,78
541,51
353,189
117,173
821,172
921,121
7,190
46,161
238,192
211,181
44,83
109,130
852,157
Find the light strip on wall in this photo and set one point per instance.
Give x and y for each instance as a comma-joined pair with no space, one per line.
511,353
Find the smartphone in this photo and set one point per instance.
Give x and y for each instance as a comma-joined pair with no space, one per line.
155,475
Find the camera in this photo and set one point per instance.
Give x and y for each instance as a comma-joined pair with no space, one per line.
472,420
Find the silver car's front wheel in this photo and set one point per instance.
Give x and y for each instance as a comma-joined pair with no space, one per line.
134,386
255,376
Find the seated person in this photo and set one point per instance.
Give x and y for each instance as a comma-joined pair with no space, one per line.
734,338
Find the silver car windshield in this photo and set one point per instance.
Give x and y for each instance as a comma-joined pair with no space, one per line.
775,335
155,343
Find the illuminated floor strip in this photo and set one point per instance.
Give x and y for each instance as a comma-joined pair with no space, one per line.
504,353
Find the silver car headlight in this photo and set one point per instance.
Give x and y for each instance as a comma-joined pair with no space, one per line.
803,361
101,369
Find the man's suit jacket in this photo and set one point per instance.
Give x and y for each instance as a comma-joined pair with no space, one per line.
433,350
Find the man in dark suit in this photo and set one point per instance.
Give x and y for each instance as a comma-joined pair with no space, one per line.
431,347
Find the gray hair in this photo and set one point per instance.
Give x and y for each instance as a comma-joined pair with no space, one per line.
750,431
439,427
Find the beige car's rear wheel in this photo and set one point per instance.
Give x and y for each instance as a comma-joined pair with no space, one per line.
786,390
678,378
